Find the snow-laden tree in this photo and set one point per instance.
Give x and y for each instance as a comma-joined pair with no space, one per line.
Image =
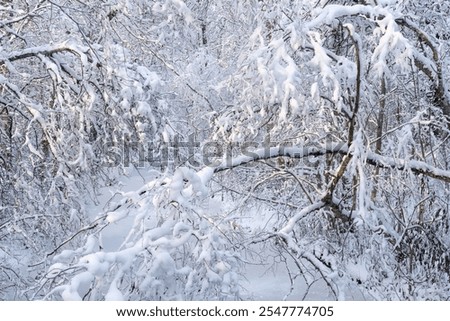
362,89
72,91
337,114
170,38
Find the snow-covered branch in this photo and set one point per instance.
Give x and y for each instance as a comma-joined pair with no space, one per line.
372,158
46,50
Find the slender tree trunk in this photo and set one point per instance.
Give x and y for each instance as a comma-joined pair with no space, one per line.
379,139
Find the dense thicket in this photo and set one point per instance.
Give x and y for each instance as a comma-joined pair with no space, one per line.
313,132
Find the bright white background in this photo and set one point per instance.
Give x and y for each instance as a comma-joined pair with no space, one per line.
106,311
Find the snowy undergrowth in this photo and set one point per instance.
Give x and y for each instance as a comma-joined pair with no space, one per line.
166,254
169,239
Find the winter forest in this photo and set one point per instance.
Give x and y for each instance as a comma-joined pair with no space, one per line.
224,150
